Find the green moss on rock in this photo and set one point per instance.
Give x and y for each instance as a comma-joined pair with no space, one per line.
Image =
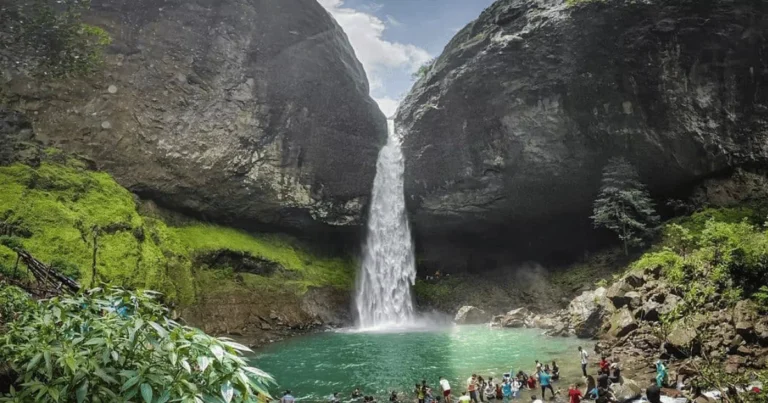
59,207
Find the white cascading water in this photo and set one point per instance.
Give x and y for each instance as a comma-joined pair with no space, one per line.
389,267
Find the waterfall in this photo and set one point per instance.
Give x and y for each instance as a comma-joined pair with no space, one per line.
389,269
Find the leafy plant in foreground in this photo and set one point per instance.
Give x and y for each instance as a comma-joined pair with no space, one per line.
118,346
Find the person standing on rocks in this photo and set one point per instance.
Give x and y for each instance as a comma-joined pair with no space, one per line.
446,389
584,360
661,374
472,388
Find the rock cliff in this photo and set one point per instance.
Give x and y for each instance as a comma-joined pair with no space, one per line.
248,112
511,126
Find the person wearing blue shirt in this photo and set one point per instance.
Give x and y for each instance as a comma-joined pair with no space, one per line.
545,380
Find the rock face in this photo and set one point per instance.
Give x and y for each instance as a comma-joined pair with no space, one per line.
252,111
517,117
469,315
588,311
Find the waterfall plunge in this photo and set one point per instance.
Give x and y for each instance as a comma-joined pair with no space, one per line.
389,268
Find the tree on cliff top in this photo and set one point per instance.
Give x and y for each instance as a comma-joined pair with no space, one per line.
623,205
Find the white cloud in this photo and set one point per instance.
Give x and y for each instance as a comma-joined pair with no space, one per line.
388,105
366,34
394,22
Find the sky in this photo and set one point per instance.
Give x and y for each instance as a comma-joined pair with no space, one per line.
392,38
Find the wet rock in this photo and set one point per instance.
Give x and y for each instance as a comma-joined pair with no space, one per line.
470,315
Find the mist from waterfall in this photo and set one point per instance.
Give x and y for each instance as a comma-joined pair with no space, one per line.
389,268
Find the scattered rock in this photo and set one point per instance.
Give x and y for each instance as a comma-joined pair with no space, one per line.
744,317
734,364
681,340
106,125
616,293
626,391
470,315
587,312
112,89
622,323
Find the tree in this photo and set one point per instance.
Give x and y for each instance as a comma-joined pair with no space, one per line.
623,205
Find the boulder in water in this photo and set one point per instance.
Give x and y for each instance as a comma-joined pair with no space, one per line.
470,315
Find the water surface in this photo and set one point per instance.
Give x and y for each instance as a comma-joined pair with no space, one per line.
315,366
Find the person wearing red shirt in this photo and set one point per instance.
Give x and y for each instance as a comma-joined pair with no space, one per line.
574,394
531,383
604,364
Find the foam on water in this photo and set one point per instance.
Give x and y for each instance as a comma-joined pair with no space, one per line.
388,269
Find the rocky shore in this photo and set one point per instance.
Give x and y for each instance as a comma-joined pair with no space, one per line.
632,321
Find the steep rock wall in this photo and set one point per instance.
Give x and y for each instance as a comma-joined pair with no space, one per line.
249,112
509,130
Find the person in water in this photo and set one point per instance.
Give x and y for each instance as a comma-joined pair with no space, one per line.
506,390
287,397
545,379
584,360
446,389
555,371
464,398
531,383
393,397
357,393
516,385
335,398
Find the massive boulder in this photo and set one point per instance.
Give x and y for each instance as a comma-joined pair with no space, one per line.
588,311
470,315
513,123
253,112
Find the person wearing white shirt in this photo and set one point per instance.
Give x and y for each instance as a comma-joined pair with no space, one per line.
446,389
584,360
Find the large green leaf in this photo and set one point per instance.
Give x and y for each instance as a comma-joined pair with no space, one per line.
146,392
82,391
227,391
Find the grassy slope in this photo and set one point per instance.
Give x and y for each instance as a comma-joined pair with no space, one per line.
61,201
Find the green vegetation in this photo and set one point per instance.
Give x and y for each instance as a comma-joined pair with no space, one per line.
423,70
50,38
716,256
118,346
61,212
624,205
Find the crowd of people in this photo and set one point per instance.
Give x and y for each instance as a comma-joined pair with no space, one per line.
509,387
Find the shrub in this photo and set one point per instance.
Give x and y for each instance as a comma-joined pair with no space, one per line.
11,242
118,346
